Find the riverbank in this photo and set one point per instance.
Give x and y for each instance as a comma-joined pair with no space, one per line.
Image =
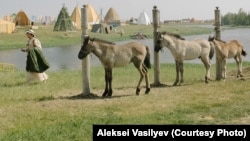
49,38
66,57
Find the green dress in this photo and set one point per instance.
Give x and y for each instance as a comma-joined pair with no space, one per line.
36,63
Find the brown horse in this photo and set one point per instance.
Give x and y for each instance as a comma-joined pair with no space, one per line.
227,50
112,55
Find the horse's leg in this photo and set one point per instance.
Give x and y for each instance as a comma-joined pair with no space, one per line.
177,67
146,79
238,60
224,67
207,65
106,83
138,89
110,91
240,66
182,72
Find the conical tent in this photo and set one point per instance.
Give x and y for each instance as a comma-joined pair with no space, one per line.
6,27
76,17
143,19
93,17
21,19
112,16
63,22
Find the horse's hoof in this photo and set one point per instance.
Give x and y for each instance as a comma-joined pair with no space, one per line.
138,91
108,96
208,78
147,91
104,94
240,75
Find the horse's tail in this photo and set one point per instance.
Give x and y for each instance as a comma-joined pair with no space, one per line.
211,53
243,52
147,58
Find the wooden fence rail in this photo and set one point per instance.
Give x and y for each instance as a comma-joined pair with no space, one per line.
7,67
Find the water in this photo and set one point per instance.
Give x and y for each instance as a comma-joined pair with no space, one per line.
66,57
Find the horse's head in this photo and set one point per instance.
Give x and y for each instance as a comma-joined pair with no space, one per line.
215,42
86,48
158,45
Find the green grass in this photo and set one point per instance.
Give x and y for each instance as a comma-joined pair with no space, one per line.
48,111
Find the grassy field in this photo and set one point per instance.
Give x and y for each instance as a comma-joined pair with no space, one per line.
52,111
49,38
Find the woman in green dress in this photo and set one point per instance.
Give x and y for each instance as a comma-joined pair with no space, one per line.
36,64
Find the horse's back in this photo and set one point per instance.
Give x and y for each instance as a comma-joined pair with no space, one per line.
203,43
126,53
234,47
135,47
234,44
197,48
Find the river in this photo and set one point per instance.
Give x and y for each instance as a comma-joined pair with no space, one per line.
61,58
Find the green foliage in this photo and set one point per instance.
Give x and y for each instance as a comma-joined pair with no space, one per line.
63,22
242,18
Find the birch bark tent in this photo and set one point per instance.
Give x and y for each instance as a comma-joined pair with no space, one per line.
112,18
21,19
76,17
93,17
63,22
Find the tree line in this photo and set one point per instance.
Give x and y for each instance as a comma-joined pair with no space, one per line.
241,18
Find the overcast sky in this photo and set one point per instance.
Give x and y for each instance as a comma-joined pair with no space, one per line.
169,9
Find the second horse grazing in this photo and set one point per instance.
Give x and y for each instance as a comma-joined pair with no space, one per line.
112,55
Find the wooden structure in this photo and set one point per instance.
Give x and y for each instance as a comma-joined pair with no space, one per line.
7,67
217,29
85,61
156,23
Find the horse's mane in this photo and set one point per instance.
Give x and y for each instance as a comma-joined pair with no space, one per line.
104,41
173,35
220,40
214,38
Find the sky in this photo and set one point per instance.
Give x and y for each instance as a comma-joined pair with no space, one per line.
126,9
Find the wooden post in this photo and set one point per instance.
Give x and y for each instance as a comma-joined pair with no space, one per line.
156,23
218,36
85,61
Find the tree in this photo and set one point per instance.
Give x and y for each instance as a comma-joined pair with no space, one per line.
241,18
